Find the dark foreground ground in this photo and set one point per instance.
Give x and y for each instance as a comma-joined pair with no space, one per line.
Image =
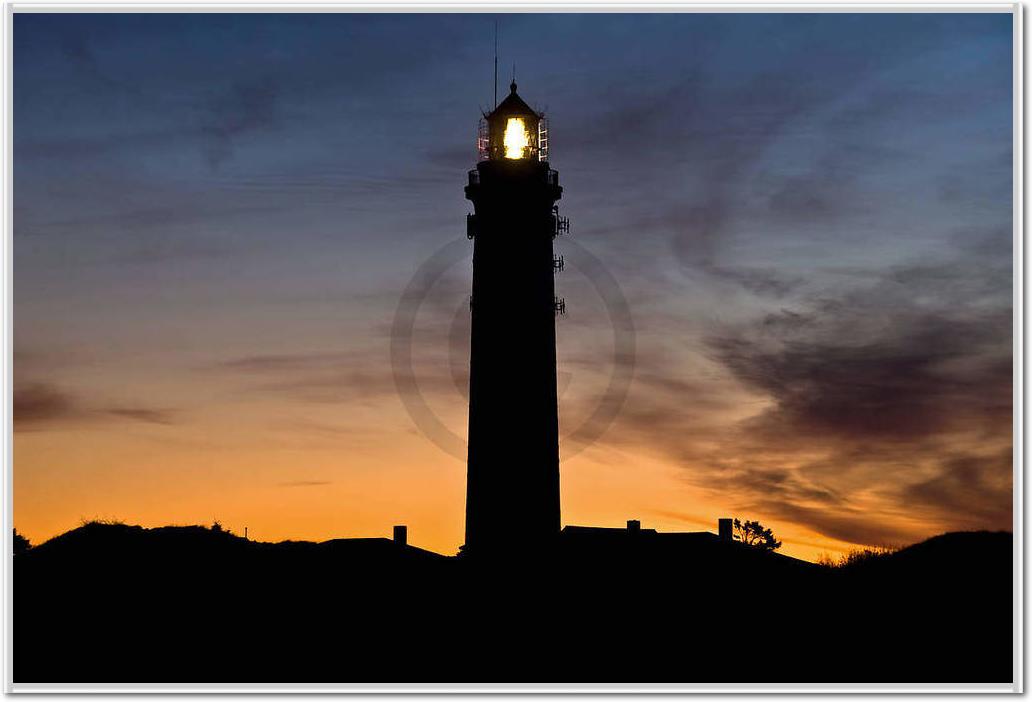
114,603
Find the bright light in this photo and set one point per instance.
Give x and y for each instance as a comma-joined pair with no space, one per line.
516,140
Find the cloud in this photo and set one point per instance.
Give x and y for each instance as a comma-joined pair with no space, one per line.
913,372
970,489
278,363
304,483
40,405
849,525
143,414
312,377
926,375
877,412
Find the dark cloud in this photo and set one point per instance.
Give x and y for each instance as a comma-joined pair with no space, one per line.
931,376
278,363
144,414
914,370
849,525
925,348
970,490
889,397
41,405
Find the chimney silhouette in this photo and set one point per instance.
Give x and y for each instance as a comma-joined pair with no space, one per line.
512,479
725,530
401,535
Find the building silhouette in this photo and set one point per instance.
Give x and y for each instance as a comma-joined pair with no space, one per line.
512,491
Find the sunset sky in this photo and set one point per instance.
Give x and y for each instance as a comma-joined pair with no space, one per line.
810,217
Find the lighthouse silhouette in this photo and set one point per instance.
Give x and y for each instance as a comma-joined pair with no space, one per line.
512,483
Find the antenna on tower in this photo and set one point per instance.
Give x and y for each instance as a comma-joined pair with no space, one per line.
496,67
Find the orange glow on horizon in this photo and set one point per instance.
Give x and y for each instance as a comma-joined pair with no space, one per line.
69,476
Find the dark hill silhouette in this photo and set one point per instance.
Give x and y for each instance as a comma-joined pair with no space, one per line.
948,553
111,602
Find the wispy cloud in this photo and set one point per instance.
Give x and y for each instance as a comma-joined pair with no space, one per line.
144,414
41,403
40,406
304,483
869,414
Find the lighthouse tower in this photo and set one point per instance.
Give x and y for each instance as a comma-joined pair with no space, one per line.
512,483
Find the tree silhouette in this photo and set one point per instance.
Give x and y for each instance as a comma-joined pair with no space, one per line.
21,544
755,535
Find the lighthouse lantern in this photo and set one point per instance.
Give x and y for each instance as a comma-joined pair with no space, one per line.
513,131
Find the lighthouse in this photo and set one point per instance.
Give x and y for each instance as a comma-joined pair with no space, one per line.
512,481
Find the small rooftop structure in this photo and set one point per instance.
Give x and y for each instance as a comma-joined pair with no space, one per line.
641,546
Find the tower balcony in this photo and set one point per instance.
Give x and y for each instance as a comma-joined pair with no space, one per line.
508,174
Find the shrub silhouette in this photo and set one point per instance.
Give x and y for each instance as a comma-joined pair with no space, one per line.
856,556
21,544
827,560
859,556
